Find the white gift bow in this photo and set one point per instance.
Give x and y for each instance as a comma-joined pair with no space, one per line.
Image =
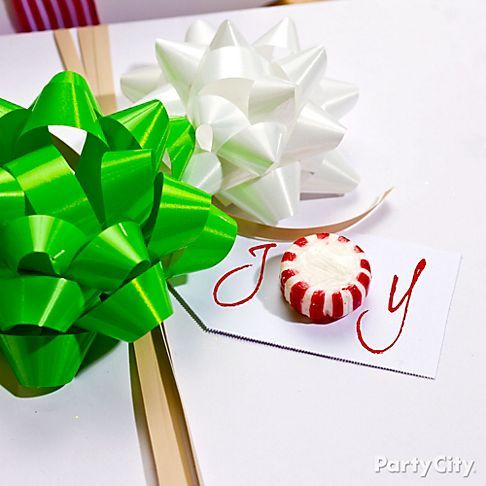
266,118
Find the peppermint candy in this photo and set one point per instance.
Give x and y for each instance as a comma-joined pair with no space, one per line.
325,277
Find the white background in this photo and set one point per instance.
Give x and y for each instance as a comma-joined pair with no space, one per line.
261,416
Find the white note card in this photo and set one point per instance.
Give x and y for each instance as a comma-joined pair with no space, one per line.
406,338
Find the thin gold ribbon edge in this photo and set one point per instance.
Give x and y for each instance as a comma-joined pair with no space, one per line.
252,229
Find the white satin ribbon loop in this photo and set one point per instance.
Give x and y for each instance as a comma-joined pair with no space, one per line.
224,117
200,33
256,148
179,62
272,99
281,40
204,171
305,68
227,35
329,173
269,198
336,97
314,132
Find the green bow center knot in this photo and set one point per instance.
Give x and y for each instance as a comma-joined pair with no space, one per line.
89,237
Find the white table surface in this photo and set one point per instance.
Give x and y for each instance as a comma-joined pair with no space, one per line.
83,434
263,416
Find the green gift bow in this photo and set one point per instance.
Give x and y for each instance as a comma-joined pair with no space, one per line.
87,245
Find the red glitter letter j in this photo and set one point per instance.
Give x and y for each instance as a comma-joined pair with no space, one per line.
266,248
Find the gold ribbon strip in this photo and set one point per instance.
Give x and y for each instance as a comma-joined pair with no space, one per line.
171,446
172,451
252,229
94,63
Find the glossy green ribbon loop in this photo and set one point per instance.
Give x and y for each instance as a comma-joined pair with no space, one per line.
12,200
181,144
144,126
182,211
129,173
50,302
40,243
219,232
45,360
83,235
52,188
12,120
113,256
141,304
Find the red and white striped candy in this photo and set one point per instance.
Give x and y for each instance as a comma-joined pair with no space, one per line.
325,276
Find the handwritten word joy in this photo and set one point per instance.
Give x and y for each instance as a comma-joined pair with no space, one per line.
403,303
